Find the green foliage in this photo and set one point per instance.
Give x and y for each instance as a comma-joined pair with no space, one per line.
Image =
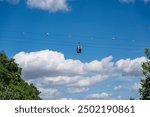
145,83
12,87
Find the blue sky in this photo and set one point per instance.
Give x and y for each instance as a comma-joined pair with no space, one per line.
42,36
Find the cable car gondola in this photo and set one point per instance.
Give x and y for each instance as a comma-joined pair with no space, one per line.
79,48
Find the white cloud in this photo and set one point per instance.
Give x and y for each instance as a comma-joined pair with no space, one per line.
117,88
11,1
49,5
77,90
46,5
50,93
53,67
135,87
119,97
48,64
101,66
47,69
102,95
67,99
130,67
78,81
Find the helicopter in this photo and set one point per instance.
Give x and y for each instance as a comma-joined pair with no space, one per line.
79,48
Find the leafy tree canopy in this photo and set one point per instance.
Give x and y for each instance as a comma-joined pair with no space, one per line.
145,83
12,86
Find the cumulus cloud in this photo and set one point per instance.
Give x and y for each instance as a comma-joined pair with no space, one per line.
78,81
46,5
101,66
77,90
117,88
11,1
50,93
130,67
67,99
53,64
119,97
47,63
48,69
102,95
49,5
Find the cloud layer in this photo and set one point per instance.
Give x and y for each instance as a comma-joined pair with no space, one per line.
101,96
49,5
50,72
46,5
56,5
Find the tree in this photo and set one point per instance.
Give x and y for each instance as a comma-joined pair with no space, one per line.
145,83
12,86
